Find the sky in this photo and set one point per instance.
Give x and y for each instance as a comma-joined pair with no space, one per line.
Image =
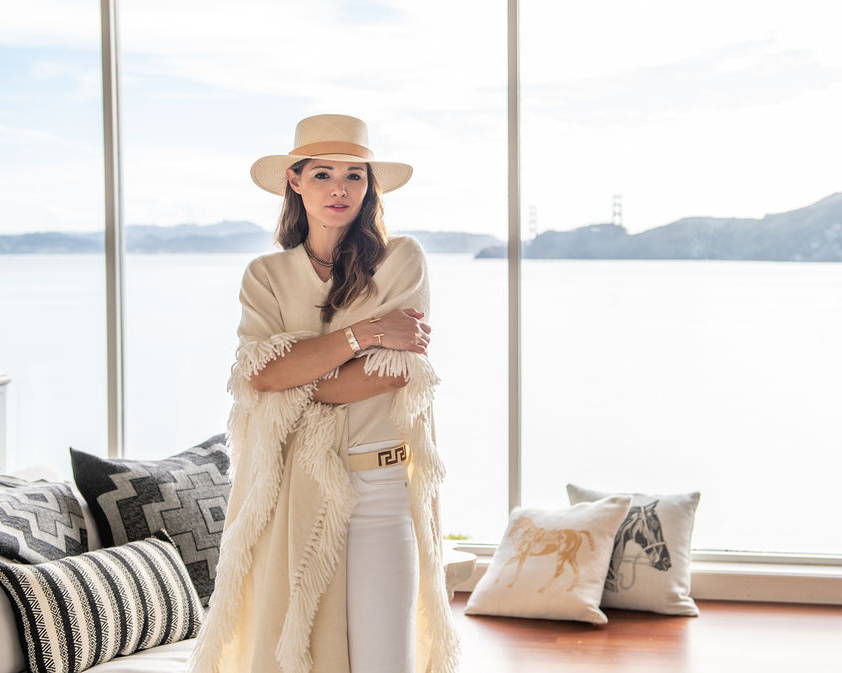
684,109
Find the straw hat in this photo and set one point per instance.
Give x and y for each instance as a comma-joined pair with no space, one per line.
328,136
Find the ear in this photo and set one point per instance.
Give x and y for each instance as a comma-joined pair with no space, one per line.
294,180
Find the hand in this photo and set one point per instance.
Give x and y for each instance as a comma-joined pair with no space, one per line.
402,330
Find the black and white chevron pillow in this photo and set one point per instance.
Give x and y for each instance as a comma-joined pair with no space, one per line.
40,520
82,610
187,494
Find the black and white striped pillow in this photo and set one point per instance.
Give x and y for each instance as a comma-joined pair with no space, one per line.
78,611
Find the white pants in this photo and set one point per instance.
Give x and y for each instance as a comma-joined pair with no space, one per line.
382,570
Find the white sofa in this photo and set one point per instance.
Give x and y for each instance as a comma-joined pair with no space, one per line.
169,658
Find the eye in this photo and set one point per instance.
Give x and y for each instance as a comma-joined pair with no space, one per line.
354,175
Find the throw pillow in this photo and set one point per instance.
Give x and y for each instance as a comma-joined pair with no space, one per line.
40,520
187,494
650,563
47,472
551,563
82,610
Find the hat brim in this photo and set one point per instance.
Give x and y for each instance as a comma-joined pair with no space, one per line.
269,172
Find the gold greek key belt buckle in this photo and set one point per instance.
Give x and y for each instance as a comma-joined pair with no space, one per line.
392,455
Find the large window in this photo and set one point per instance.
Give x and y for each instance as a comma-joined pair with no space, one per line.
681,220
198,111
52,291
718,130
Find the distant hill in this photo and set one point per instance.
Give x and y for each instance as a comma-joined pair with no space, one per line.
452,241
809,234
223,236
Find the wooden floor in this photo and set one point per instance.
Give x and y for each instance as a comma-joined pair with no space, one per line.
727,636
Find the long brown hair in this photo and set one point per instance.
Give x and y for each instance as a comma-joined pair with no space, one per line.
358,253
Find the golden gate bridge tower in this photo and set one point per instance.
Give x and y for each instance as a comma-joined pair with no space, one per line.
533,222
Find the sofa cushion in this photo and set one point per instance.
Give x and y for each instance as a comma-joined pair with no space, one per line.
11,654
169,658
551,563
187,494
82,610
650,563
40,520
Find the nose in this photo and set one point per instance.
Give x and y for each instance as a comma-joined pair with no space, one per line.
338,188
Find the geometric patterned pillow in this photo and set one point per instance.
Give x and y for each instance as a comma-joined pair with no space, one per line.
40,520
82,610
651,560
187,494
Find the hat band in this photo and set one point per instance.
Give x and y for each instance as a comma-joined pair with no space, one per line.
334,147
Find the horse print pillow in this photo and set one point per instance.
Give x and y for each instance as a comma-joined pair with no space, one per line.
650,563
551,563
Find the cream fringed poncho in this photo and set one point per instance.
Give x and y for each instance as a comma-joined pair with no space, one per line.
279,603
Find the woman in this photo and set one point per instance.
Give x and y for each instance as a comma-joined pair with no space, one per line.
330,559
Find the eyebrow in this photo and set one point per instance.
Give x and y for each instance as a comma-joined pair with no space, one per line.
352,168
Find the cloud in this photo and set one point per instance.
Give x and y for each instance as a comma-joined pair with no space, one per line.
85,83
60,24
612,101
750,74
10,135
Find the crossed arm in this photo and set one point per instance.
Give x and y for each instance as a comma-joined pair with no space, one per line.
353,384
310,358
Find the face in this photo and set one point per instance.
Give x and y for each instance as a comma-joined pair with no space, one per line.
325,182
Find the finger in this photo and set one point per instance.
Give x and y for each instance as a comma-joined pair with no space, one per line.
424,326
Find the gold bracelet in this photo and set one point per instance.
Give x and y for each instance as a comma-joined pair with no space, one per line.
352,340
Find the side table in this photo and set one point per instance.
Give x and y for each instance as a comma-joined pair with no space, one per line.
459,566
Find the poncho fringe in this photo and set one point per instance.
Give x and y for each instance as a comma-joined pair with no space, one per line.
258,427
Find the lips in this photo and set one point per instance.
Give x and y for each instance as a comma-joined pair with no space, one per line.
338,207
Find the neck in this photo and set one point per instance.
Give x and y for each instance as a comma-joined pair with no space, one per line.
323,240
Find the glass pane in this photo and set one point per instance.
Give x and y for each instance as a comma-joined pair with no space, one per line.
685,334
52,267
197,115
